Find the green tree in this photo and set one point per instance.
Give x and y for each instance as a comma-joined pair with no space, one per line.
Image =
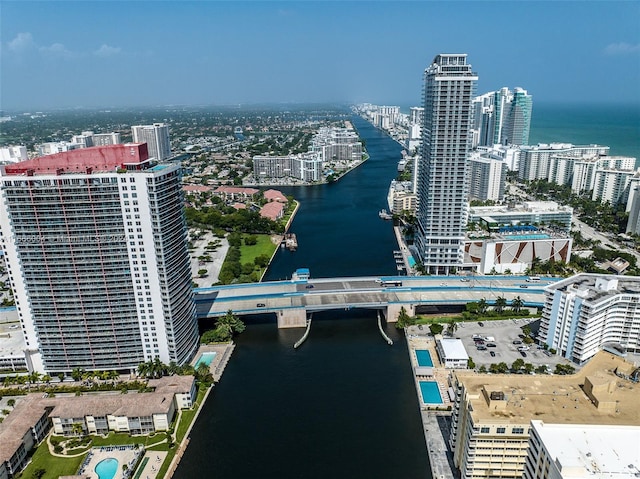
517,304
501,302
38,473
404,319
528,368
482,306
452,327
517,365
436,329
11,402
526,330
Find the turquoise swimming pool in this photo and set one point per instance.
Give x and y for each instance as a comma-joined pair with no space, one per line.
107,468
430,392
205,358
424,358
527,237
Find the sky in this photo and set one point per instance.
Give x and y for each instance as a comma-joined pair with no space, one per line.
58,54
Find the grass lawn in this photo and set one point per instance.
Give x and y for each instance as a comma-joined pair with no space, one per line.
123,439
55,466
264,246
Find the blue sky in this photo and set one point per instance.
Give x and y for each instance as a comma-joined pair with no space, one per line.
57,54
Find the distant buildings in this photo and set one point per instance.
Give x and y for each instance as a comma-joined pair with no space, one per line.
306,167
587,312
11,154
449,85
536,161
337,145
498,422
502,117
156,137
95,245
535,213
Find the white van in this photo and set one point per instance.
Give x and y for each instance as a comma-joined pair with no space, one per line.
533,279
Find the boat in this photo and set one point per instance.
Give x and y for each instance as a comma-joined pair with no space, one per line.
384,215
290,241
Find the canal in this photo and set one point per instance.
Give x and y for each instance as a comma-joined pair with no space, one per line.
343,405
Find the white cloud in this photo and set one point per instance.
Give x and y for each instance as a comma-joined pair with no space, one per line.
56,49
107,51
21,42
622,48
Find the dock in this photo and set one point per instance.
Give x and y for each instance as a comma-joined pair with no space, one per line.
290,241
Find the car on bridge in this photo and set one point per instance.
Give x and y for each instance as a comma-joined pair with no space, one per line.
260,305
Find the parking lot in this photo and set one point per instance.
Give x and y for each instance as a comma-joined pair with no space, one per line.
504,333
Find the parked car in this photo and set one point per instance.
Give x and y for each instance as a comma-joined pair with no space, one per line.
480,323
523,354
517,341
493,354
481,347
491,345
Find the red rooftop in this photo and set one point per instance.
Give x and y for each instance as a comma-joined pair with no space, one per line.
84,160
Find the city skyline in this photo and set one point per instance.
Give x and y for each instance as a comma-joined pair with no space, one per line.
221,53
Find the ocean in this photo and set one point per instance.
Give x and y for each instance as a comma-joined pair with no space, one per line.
615,126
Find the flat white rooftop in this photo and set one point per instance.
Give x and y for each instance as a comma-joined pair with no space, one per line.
592,451
454,349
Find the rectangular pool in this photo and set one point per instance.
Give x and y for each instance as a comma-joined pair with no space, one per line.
430,392
424,358
205,358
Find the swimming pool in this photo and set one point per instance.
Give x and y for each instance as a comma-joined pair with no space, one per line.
430,392
412,262
526,237
107,468
205,358
424,358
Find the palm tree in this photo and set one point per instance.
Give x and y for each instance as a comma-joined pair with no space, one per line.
452,327
482,306
77,374
501,302
517,304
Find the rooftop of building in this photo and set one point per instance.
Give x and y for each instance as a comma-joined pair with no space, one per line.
559,146
595,287
594,395
453,348
592,451
519,208
85,160
27,412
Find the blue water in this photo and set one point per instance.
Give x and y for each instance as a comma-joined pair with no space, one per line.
424,358
205,358
615,126
107,468
527,237
430,392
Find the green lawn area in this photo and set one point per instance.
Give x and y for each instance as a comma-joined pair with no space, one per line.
123,439
55,466
264,246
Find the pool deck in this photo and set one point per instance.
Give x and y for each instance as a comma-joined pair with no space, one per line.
152,466
122,454
435,424
223,353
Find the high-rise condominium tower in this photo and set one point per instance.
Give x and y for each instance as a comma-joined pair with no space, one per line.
156,137
95,243
516,131
449,85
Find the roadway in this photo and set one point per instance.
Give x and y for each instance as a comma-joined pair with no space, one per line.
365,292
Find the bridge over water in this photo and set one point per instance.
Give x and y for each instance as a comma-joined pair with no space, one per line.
291,300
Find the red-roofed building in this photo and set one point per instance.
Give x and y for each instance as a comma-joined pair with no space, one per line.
130,156
274,211
239,206
235,192
275,195
196,188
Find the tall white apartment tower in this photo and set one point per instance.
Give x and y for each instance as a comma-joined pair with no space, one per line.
95,245
156,137
449,85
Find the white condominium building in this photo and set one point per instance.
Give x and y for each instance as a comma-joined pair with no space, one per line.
633,207
487,176
305,167
95,245
156,137
612,186
535,161
443,171
587,312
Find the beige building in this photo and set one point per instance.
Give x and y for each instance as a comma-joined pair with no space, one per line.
492,414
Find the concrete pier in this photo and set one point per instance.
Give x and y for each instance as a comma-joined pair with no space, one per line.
292,318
